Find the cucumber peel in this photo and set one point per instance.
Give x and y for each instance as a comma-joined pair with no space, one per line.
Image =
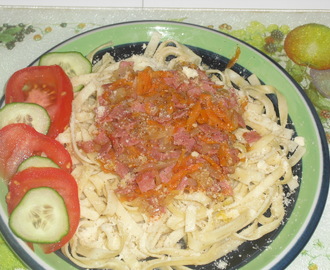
36,161
40,217
73,63
31,114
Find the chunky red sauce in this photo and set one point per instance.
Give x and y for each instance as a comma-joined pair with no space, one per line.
162,131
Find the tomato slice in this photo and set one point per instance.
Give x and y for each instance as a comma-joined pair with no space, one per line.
20,141
48,86
55,178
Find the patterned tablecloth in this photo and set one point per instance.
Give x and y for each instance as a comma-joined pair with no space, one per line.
25,33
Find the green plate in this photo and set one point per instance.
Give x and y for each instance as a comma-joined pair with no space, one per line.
302,218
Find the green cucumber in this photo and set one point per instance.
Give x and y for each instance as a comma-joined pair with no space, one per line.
40,217
37,161
73,63
31,114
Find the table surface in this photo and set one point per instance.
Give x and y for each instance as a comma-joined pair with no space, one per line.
233,4
51,25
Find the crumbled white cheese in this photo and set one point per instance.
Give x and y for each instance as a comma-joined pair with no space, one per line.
300,140
221,264
194,154
100,111
293,183
189,72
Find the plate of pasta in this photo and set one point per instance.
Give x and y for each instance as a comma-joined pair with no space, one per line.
190,149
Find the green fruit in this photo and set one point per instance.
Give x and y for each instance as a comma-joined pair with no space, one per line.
309,45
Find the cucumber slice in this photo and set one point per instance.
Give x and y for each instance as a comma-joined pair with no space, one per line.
40,217
37,161
31,114
73,63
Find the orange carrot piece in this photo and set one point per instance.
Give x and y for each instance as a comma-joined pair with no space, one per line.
203,118
193,115
212,163
214,120
206,139
235,58
144,82
181,162
173,183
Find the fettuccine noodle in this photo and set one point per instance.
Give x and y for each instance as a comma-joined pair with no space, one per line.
194,227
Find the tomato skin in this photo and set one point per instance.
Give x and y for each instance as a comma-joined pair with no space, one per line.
53,91
20,141
55,178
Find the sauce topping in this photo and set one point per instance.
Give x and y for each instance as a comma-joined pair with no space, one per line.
166,131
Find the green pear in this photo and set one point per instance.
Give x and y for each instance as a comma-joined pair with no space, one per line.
309,45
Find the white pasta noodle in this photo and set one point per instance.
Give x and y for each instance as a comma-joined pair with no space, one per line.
195,228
